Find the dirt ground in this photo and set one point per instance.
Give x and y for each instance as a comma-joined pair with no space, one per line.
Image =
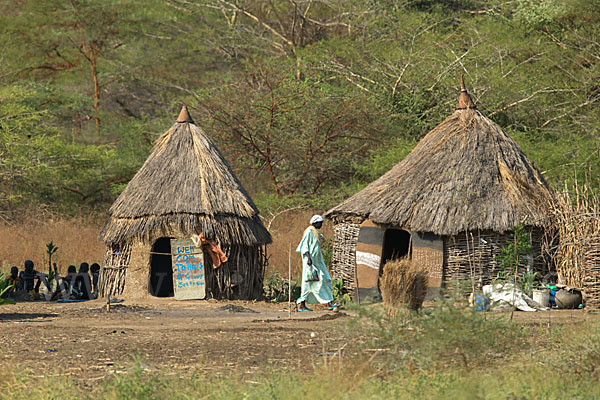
85,341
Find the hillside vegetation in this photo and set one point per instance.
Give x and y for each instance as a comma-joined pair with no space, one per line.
309,100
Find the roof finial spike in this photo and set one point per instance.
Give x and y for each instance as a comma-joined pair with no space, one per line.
464,100
184,116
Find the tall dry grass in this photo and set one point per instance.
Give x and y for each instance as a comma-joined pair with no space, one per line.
404,282
77,239
26,238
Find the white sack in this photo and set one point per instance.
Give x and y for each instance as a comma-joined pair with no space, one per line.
502,295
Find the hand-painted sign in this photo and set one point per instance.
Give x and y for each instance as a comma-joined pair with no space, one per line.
188,270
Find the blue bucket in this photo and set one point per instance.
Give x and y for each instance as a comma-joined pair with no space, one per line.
482,303
552,299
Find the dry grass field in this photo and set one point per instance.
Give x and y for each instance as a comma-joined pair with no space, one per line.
77,239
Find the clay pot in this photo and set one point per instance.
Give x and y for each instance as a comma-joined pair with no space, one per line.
568,299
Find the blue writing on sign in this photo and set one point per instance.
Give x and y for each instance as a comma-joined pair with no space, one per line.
185,249
184,258
186,284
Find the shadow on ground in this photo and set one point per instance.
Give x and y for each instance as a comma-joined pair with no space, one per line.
29,317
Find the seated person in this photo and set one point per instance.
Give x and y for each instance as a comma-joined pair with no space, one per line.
95,271
82,287
65,285
27,278
11,281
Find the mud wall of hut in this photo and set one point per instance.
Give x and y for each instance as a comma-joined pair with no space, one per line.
466,257
126,272
138,271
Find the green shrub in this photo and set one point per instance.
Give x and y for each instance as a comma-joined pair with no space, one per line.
436,338
4,287
339,293
276,288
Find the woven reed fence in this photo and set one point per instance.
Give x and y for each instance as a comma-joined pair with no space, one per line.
114,270
471,258
576,212
343,258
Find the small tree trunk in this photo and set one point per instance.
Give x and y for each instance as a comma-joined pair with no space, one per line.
96,89
271,172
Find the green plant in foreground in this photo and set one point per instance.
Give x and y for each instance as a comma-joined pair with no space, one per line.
573,353
51,249
514,253
4,287
513,260
527,281
276,288
337,286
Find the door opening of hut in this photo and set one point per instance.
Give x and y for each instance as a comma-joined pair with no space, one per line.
161,271
396,244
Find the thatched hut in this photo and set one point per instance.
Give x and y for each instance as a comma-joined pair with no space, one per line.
185,187
450,204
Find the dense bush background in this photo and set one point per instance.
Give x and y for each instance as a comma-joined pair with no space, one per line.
309,100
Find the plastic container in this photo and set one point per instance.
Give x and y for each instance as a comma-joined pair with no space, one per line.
553,291
542,297
482,303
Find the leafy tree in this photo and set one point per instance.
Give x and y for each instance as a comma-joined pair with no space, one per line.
76,36
299,133
304,97
38,166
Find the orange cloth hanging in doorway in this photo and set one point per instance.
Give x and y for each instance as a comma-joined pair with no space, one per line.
217,255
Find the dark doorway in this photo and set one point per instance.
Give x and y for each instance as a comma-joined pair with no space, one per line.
161,272
396,244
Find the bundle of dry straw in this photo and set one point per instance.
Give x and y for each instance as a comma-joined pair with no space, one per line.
404,282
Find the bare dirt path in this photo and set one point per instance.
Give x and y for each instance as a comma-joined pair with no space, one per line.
83,340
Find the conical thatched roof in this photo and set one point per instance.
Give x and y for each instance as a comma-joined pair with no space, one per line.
466,174
185,186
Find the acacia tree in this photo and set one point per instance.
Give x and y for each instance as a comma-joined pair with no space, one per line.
70,36
284,26
298,134
37,166
91,34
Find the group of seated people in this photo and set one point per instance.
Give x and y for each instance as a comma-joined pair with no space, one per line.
75,285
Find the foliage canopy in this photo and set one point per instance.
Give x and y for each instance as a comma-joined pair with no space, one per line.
313,99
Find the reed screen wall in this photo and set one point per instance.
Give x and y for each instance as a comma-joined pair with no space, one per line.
343,259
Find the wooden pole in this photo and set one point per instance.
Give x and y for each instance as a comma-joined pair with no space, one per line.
290,282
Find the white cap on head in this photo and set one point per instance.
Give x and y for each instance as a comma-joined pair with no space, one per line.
316,218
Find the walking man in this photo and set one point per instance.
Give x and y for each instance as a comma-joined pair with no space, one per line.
316,281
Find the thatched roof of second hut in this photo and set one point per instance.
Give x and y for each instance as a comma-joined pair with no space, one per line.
185,186
466,174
